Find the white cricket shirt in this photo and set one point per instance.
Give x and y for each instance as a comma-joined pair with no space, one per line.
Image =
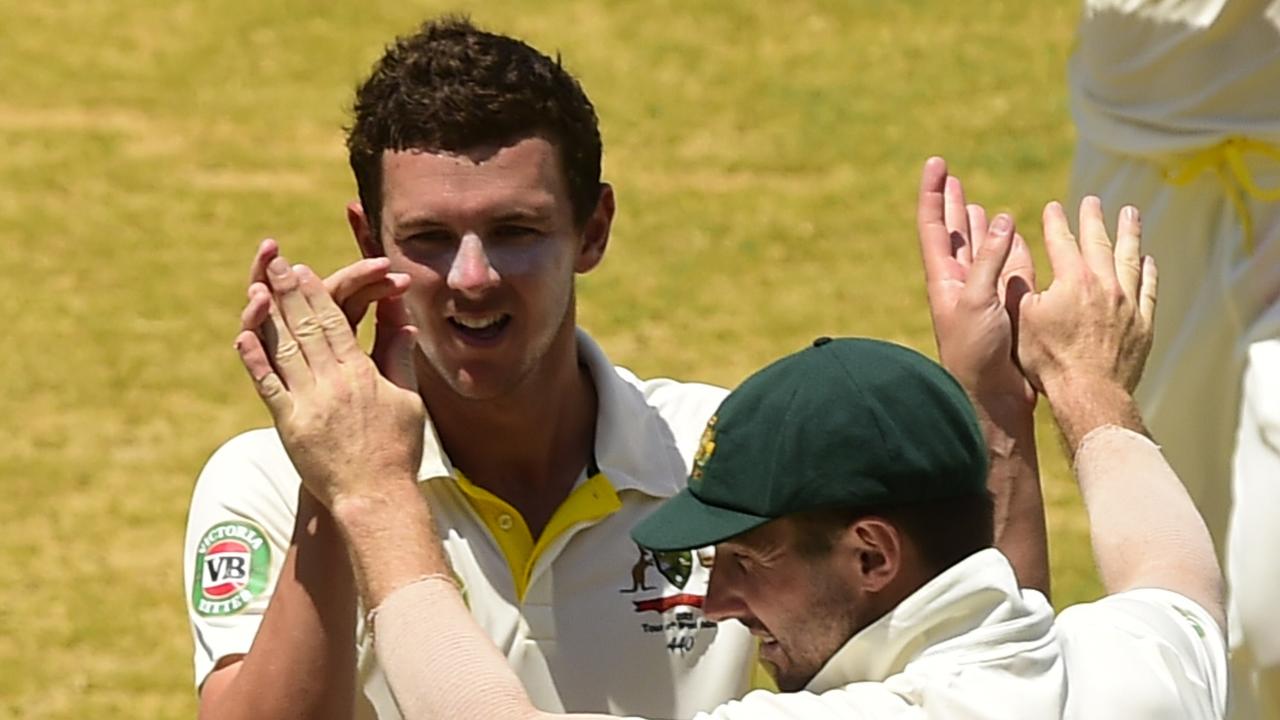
969,644
588,621
1151,77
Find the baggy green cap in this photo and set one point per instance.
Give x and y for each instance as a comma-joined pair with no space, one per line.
844,423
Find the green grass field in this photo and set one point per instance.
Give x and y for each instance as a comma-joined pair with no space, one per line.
765,156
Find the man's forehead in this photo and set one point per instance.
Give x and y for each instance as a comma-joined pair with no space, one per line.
533,155
520,179
770,535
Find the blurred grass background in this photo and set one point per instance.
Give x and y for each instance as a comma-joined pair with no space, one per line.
765,155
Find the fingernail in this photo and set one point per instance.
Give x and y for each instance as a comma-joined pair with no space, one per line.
1000,225
1130,213
278,266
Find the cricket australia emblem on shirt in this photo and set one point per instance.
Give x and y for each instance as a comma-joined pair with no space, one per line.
671,605
233,561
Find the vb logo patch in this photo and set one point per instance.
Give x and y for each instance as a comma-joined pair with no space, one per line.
233,561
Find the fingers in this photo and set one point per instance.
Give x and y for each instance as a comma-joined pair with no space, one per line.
977,224
1128,260
269,385
300,319
357,304
287,354
956,218
1018,278
1020,263
991,257
350,284
268,250
931,227
1095,243
1147,294
255,311
1064,254
340,336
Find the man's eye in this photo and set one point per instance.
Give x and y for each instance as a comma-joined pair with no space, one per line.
515,232
431,237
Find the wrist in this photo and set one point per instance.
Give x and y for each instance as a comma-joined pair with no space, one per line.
1082,404
1004,408
391,538
369,507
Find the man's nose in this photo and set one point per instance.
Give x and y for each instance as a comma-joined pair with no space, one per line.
722,601
472,272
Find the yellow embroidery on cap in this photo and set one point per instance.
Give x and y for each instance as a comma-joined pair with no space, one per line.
706,446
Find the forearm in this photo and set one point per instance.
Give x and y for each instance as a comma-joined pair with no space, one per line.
1146,532
440,664
302,662
1008,424
392,540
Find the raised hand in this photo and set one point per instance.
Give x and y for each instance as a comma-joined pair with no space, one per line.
354,287
1094,322
349,429
975,275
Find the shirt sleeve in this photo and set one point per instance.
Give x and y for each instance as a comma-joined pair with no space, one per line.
1125,653
238,529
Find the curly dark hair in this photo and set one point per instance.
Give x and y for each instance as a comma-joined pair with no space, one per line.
453,87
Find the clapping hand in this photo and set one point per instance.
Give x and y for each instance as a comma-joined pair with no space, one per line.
975,276
349,428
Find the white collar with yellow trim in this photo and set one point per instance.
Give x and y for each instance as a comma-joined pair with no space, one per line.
634,446
973,609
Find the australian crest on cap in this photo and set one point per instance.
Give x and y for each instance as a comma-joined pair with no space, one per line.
706,446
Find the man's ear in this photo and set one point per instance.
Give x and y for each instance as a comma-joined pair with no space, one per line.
366,239
595,232
878,549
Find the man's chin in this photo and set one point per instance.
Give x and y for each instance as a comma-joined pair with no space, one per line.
787,681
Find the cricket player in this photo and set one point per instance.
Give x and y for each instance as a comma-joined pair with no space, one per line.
477,161
1177,112
845,490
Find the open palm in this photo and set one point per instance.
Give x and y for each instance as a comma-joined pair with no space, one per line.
975,276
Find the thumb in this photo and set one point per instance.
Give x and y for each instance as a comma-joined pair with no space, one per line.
394,341
984,275
398,366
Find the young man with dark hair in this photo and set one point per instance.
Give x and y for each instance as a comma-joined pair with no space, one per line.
478,165
871,627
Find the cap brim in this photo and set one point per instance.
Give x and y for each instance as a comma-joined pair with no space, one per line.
684,522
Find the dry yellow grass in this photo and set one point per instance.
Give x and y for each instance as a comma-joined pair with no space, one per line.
765,156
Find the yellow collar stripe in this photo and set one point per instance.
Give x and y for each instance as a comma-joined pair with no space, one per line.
593,500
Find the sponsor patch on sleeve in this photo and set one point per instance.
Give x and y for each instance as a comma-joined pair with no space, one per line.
233,562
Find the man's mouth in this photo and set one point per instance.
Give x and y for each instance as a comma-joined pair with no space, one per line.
764,636
480,327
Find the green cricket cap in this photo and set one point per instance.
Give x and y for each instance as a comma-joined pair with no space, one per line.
844,423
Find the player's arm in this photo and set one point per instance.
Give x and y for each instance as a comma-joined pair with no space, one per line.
1083,342
302,661
975,275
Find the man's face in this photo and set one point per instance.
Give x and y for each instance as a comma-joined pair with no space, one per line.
802,609
490,245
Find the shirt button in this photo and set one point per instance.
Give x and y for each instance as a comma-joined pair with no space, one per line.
505,522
